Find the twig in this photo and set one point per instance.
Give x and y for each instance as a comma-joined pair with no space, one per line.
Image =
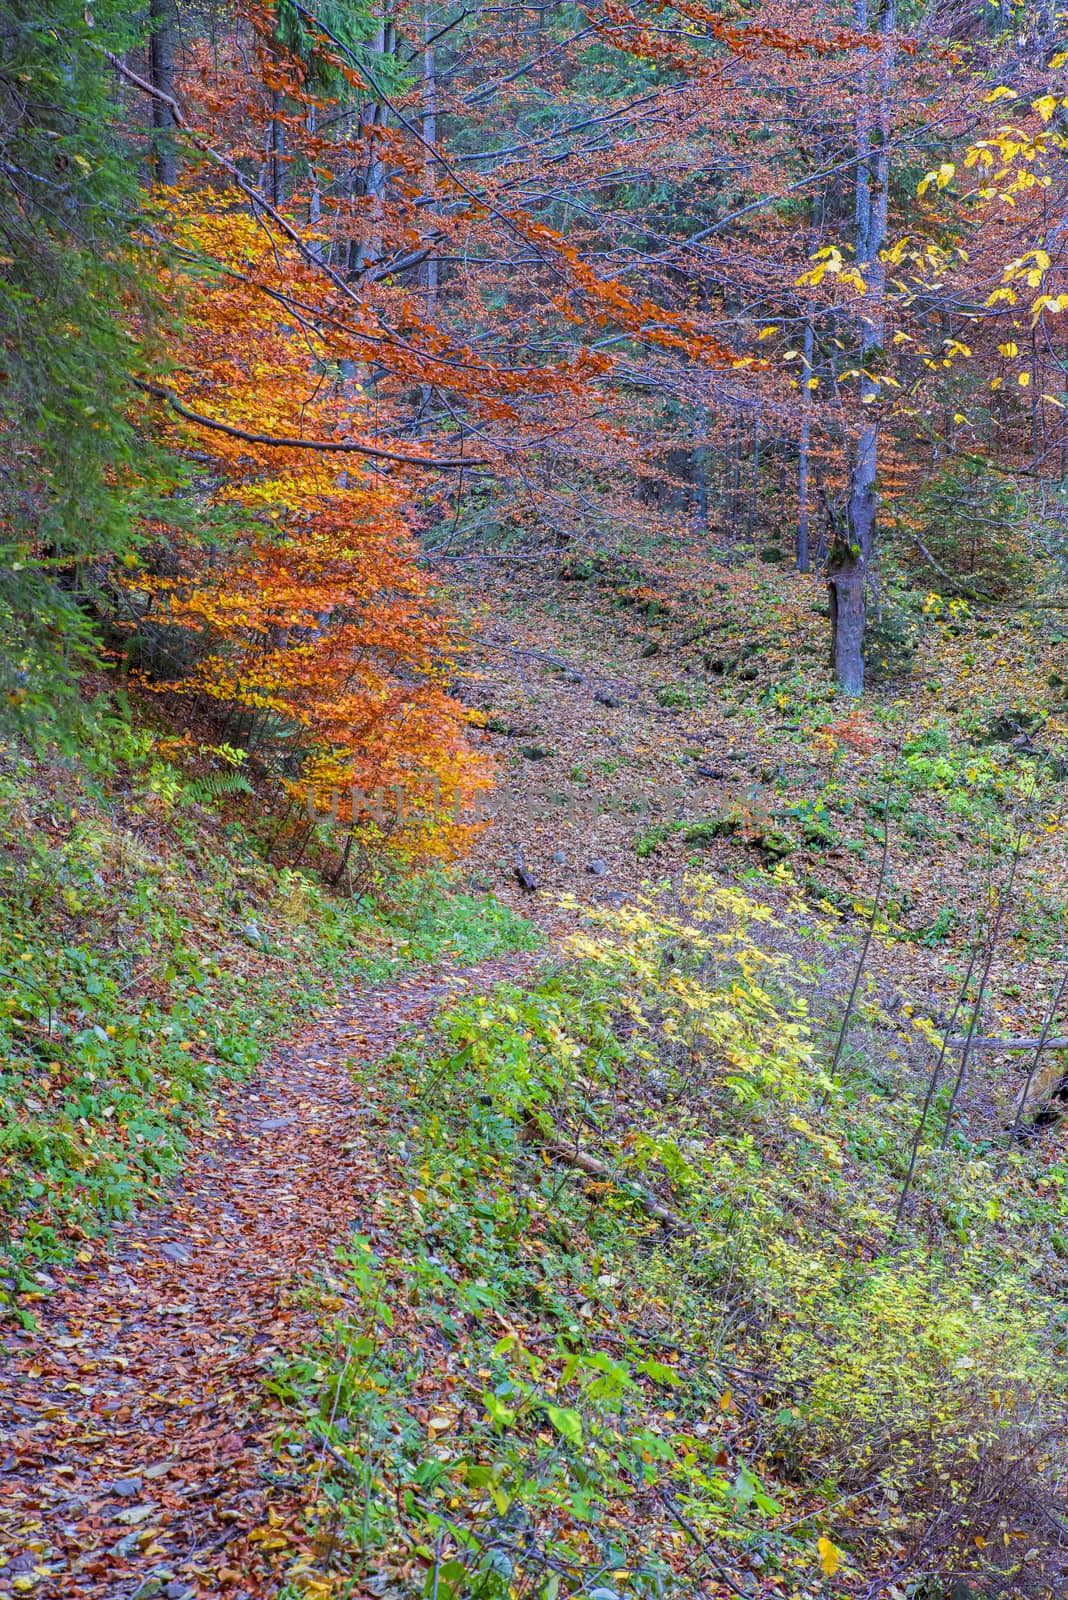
687,1527
960,588
932,1085
1011,1045
437,1561
282,442
28,985
1043,1043
870,930
995,929
341,1460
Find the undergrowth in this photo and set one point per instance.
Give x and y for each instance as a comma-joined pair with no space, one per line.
705,1363
148,953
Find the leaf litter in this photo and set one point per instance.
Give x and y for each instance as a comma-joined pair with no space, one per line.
135,1454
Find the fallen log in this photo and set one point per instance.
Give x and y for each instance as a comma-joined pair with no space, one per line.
1009,1044
574,1156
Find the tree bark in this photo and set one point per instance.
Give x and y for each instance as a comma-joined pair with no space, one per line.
277,151
851,559
803,559
369,249
163,18
430,134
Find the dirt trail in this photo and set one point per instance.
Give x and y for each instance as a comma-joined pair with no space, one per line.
134,1453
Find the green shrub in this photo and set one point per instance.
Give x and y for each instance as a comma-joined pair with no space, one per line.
767,1355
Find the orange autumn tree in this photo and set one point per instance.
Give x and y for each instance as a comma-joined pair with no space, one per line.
315,634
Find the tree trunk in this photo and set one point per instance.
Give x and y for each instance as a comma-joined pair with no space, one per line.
163,17
369,249
802,456
852,557
430,134
315,204
277,149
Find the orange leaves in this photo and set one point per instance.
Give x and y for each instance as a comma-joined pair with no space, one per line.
310,628
855,732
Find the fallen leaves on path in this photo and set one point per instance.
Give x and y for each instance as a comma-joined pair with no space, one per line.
135,1455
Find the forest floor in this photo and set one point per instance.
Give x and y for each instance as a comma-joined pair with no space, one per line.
137,1454
662,715
189,1414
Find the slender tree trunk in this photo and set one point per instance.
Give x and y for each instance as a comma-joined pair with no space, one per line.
851,559
163,17
700,470
802,455
430,134
315,201
277,149
369,249
736,475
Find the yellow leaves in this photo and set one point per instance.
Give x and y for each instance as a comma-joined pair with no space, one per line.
940,177
1048,302
830,1556
995,383
831,260
1023,379
1030,267
1009,348
813,383
1000,93
1045,106
828,1147
1001,296
271,1535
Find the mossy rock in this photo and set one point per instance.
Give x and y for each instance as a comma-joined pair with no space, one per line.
675,697
1009,724
775,844
706,829
818,836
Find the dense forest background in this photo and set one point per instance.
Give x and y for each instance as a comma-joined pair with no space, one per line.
301,309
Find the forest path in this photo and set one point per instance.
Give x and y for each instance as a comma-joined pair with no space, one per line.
135,1453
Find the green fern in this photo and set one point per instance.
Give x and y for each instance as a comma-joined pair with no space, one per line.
216,786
